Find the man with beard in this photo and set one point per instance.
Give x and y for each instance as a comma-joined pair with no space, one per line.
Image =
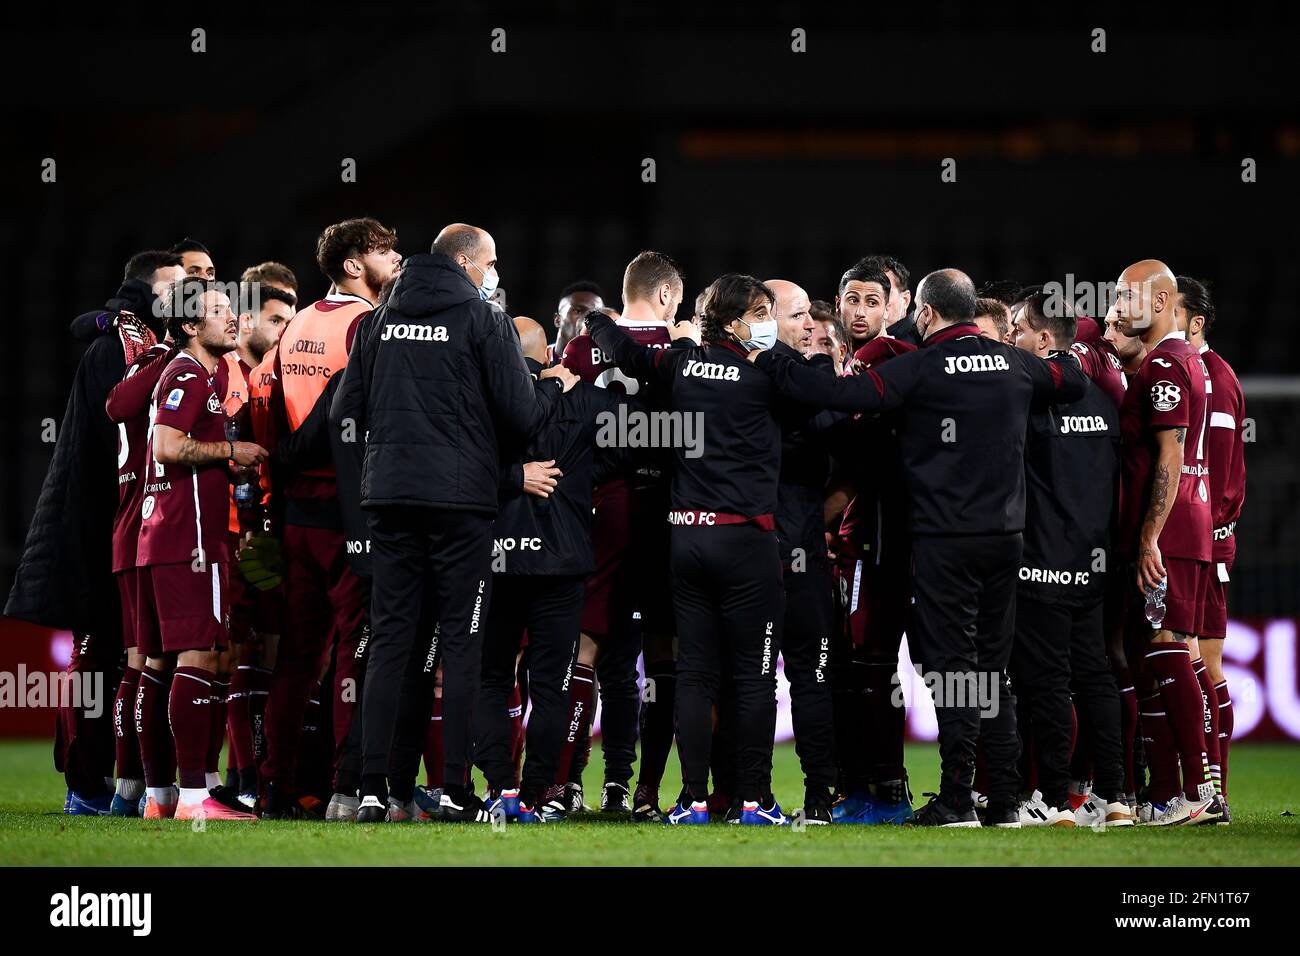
265,311
897,322
184,544
64,578
321,592
1165,532
863,303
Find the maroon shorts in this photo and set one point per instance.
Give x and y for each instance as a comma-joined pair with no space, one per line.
181,609
629,542
874,603
1189,583
1214,614
128,587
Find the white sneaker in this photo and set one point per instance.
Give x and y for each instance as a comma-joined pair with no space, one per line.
1091,814
1098,814
1180,810
1119,814
1206,811
1034,812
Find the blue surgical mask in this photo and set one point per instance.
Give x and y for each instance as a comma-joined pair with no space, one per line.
762,335
490,282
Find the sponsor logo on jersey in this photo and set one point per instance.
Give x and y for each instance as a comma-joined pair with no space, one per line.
187,376
716,371
306,347
214,405
1076,424
174,397
415,332
975,363
146,509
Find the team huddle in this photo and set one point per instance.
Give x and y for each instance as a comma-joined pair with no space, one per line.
398,527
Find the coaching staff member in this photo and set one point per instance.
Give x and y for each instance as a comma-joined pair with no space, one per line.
965,405
1071,474
441,371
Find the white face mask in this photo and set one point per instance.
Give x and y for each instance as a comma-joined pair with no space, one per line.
490,282
762,335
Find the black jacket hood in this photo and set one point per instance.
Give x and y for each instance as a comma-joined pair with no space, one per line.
430,283
135,296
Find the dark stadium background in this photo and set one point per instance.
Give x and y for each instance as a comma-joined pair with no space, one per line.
771,162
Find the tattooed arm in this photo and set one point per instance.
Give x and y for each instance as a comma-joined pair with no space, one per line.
1164,489
171,446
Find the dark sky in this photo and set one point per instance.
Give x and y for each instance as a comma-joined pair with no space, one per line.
1069,162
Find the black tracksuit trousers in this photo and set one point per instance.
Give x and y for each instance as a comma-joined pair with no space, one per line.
1059,647
729,604
806,651
451,552
965,608
549,608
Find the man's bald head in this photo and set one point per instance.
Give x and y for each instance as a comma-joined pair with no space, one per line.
471,248
794,321
1145,297
532,339
459,239
944,297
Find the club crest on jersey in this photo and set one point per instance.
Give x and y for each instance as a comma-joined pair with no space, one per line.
975,363
1165,395
174,397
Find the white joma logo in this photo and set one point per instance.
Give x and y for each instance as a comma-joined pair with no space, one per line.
74,908
714,370
415,332
1083,423
975,363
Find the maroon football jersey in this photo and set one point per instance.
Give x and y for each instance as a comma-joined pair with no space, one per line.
1227,454
185,507
876,524
584,358
1100,363
1168,391
128,408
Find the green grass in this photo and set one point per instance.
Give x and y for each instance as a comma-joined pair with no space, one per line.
32,832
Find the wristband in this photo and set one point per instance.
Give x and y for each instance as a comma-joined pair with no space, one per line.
232,449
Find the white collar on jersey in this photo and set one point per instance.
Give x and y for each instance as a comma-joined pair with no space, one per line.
336,296
1175,334
1204,348
643,324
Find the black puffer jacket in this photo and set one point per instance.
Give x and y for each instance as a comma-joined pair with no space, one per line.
65,575
442,372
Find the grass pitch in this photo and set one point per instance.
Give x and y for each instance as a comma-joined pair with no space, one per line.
1265,783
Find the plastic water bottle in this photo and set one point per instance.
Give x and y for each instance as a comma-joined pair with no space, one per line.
1155,606
244,488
